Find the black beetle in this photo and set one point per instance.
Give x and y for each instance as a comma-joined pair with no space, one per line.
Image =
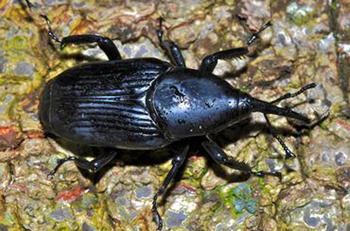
146,103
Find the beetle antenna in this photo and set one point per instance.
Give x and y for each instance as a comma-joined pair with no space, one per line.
292,95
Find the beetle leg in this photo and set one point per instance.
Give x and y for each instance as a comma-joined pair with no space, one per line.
255,36
220,157
289,153
105,44
209,62
92,166
177,162
172,50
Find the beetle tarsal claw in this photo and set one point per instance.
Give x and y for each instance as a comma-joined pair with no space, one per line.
157,218
53,172
290,155
50,175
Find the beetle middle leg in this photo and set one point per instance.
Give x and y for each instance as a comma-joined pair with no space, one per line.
105,44
92,166
178,160
220,157
172,50
209,62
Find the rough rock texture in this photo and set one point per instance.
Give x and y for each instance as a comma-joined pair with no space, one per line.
308,42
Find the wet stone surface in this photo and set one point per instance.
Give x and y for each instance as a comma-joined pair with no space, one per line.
175,219
308,42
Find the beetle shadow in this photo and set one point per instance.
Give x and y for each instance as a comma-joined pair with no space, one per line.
132,158
231,75
242,130
238,131
247,129
79,57
230,135
124,157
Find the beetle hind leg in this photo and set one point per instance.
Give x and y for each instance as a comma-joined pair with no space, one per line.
220,157
105,44
92,166
177,162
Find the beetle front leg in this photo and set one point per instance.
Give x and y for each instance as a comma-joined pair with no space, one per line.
209,62
172,50
288,153
105,44
220,157
177,162
92,166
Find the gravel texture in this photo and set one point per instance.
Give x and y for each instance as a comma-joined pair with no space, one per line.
308,42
